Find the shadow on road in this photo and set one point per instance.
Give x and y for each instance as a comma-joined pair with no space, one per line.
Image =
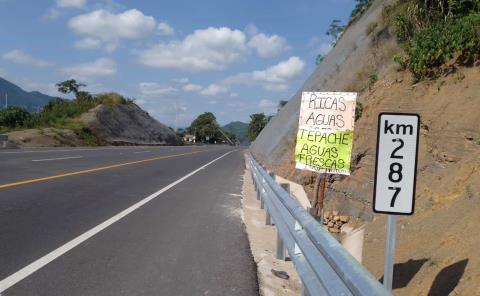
448,278
403,273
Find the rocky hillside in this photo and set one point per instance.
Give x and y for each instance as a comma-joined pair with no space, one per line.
127,124
105,124
436,246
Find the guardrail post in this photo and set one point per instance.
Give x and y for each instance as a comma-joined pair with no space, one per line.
268,218
281,250
262,202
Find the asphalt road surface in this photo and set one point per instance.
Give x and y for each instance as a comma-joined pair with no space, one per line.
123,221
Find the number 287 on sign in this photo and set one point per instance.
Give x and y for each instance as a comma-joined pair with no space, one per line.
396,163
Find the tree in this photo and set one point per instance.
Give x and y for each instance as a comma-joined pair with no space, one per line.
335,30
282,103
319,59
13,116
205,125
359,8
70,86
257,122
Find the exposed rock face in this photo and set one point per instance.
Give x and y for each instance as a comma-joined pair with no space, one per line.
128,124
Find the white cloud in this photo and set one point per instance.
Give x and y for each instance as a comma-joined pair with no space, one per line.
251,30
268,106
165,29
274,78
61,5
182,80
102,67
110,28
214,90
211,49
268,46
20,57
88,43
153,89
192,87
71,3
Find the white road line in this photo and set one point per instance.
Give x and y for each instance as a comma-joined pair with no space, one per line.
82,149
41,262
138,152
60,158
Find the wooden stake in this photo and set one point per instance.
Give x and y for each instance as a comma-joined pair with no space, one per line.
319,195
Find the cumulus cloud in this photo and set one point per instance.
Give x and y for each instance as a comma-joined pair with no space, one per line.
268,46
102,67
109,28
88,43
210,49
71,3
268,106
153,89
61,5
20,57
274,78
192,87
165,29
214,90
182,80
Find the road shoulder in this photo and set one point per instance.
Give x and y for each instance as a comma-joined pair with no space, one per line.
262,240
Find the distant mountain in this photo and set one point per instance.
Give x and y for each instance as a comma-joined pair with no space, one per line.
239,129
19,97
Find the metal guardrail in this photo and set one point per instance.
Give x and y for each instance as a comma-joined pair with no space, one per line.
324,266
3,141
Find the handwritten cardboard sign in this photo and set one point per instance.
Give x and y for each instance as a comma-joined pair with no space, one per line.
325,132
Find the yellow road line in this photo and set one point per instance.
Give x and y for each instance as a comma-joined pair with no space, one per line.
93,170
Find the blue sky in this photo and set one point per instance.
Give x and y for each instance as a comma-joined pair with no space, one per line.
178,58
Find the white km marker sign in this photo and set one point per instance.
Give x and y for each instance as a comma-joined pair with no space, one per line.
396,165
395,175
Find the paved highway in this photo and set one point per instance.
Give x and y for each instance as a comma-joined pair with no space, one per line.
123,221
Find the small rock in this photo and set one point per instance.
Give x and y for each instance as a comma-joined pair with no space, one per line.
336,218
335,213
334,230
339,223
327,215
336,226
330,224
344,219
281,274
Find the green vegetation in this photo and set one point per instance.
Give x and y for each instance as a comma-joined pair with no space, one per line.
60,113
319,59
205,125
335,30
434,32
359,9
257,122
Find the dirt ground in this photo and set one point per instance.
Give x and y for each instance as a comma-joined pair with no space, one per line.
45,137
437,248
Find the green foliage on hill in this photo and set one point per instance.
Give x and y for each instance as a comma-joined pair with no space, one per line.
60,113
257,122
239,129
434,32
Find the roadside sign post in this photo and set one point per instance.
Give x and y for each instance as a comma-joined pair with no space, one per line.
325,136
395,175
